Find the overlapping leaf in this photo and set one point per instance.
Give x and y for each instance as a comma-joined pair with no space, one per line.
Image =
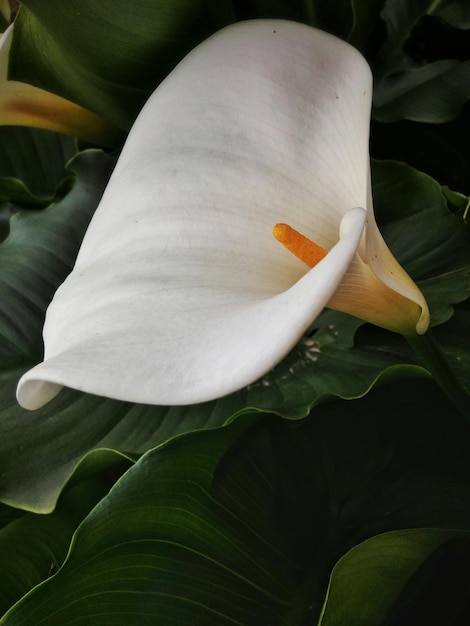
39,253
437,149
455,12
357,594
432,93
33,546
32,164
401,16
245,526
431,241
417,89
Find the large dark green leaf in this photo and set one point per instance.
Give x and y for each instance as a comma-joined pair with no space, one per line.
32,164
107,56
74,424
432,93
33,546
440,150
404,17
39,252
455,12
222,527
8,515
431,241
396,556
40,450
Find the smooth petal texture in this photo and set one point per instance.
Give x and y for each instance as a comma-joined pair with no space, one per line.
203,342
362,294
25,105
180,293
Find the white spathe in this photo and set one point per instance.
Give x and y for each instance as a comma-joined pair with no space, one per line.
180,293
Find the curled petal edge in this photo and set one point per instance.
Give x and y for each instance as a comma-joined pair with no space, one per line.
267,329
384,266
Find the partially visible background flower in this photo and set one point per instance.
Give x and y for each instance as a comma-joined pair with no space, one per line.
22,104
5,12
180,293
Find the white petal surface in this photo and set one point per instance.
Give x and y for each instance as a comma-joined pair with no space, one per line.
180,293
201,344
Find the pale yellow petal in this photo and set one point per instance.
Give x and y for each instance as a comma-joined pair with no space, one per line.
363,295
5,11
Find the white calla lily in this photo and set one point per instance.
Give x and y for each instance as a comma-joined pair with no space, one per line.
22,104
180,292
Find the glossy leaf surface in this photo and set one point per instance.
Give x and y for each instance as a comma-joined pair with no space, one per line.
224,526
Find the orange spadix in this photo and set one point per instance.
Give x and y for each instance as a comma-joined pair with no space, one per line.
300,245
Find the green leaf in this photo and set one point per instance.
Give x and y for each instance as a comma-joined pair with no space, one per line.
6,211
432,93
34,546
348,19
245,526
335,17
455,12
321,366
401,16
415,89
107,56
8,515
366,24
343,358
440,150
458,202
39,253
380,569
32,164
74,426
280,9
430,241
